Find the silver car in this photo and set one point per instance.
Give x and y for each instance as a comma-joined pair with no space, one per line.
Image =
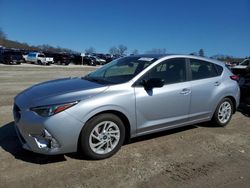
126,98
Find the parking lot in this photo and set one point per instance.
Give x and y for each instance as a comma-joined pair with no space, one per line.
194,156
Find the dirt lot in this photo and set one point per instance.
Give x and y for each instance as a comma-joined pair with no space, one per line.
195,156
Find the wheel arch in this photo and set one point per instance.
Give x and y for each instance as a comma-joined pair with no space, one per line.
119,114
233,101
226,96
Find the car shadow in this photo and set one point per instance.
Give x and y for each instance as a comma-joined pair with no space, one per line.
80,156
10,143
161,134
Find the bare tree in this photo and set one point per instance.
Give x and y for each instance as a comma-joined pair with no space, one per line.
135,52
114,50
122,49
157,51
2,38
201,53
90,50
2,34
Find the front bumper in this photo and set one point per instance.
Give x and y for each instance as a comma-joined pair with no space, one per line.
53,135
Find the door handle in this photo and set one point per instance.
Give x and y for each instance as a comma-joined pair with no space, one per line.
217,83
185,91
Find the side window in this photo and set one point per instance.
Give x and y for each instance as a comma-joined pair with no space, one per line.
202,69
171,71
219,69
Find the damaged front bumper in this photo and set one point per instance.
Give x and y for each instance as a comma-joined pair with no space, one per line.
53,135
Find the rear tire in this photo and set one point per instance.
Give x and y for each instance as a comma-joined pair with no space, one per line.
223,113
102,136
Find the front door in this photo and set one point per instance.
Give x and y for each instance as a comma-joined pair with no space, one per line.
159,108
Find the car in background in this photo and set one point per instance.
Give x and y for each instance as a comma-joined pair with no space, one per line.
77,59
108,58
242,68
63,59
25,55
84,60
126,98
232,64
60,58
11,57
98,60
39,58
244,83
103,58
90,60
49,55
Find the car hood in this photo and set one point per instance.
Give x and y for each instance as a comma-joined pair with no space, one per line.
58,91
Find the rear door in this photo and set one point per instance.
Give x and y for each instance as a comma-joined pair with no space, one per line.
205,85
159,108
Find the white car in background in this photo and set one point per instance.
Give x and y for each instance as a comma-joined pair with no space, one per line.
243,68
99,60
243,65
39,58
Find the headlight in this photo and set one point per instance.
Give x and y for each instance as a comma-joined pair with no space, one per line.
50,110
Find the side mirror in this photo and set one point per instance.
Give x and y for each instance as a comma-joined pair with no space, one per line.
152,83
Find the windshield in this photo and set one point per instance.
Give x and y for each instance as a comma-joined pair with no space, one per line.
120,70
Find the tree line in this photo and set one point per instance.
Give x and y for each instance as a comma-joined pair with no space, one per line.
120,50
4,41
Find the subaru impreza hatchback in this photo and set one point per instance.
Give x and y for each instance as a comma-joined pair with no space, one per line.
126,98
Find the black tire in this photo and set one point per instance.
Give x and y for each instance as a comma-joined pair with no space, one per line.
39,62
89,127
216,120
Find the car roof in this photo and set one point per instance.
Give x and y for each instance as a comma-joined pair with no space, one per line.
160,56
157,56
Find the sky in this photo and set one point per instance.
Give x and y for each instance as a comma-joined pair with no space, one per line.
179,26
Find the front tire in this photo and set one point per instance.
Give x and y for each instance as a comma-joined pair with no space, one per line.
102,136
223,113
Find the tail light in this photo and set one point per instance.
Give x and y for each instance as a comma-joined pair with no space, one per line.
234,77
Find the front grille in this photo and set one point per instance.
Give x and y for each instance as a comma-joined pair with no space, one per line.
16,113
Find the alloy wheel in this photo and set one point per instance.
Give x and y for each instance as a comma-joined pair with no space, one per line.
225,112
104,137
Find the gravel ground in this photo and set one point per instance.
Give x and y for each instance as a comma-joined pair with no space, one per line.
194,156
